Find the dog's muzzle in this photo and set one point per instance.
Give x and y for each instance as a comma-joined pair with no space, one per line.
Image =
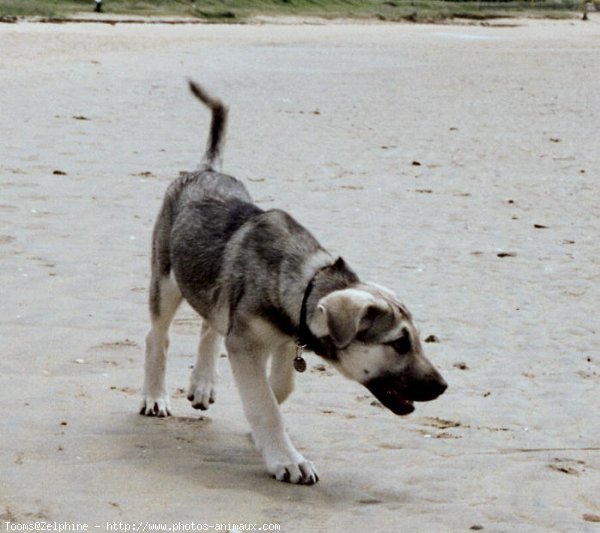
398,397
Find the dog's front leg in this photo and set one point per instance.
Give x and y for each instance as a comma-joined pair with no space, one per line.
283,461
202,390
281,378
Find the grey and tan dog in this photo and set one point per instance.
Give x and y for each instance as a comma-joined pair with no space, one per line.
262,282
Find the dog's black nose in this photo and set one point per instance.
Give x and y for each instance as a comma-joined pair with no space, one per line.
442,386
427,389
436,386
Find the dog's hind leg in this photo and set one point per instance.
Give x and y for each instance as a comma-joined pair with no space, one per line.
165,298
281,377
249,365
202,391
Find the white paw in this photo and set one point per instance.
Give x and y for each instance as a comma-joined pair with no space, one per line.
202,393
301,472
155,407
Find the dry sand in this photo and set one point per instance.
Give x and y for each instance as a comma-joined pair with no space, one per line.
456,164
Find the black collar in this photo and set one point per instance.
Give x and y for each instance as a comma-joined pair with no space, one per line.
306,338
340,277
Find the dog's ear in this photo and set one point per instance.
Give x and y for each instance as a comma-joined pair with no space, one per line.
343,314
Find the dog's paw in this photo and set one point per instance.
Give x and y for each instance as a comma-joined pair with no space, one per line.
202,393
155,407
301,473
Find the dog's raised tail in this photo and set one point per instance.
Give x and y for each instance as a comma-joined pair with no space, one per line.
212,159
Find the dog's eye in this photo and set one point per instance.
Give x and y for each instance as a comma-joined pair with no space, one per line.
403,344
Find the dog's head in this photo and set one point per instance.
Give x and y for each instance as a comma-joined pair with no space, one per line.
373,340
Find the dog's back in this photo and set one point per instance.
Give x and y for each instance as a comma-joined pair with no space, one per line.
201,210
197,238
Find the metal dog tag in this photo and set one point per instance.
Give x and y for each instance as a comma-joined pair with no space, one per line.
299,362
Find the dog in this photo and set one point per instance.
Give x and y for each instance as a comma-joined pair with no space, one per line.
264,284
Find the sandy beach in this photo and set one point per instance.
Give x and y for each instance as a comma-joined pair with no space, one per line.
456,164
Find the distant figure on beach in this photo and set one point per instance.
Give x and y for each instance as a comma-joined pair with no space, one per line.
98,6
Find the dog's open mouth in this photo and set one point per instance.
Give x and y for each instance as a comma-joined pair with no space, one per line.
390,397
